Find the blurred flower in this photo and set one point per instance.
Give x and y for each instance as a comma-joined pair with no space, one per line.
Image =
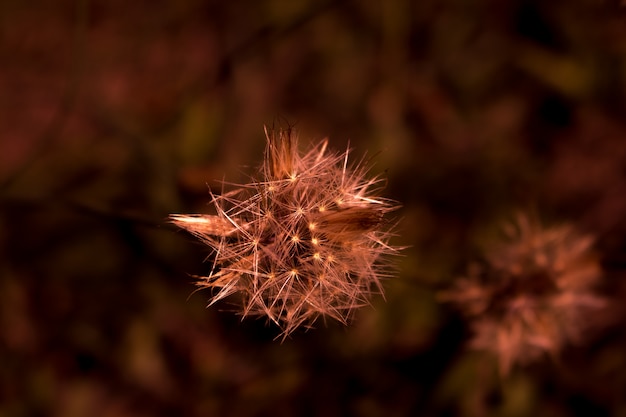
308,239
533,296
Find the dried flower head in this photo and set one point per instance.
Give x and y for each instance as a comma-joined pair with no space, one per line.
309,239
534,295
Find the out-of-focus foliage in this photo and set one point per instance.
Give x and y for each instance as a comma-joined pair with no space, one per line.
114,114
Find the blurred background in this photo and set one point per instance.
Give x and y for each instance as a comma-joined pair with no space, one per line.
114,114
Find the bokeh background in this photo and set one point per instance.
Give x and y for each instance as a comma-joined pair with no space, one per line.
114,114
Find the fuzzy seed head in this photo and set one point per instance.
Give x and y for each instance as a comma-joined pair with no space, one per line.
307,239
534,295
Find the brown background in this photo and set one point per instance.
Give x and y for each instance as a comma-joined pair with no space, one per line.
114,114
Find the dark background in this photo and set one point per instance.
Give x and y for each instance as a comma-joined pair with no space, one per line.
114,114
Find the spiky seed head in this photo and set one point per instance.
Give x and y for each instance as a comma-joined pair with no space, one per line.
307,239
534,295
